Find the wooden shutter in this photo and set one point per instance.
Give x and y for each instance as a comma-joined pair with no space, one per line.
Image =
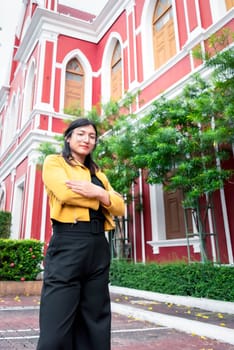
116,73
229,4
163,33
74,85
174,215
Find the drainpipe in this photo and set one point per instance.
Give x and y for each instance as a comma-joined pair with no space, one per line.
134,223
142,217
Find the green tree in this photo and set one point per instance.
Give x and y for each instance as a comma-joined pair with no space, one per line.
182,143
115,149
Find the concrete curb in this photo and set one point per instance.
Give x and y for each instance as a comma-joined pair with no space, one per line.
18,308
10,288
222,334
201,303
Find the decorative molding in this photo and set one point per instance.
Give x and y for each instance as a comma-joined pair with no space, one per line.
156,245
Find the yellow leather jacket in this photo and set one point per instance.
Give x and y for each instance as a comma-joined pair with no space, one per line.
67,206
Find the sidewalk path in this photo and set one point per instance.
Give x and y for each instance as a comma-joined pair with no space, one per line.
140,321
204,317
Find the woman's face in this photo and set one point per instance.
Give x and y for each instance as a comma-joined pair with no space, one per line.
82,142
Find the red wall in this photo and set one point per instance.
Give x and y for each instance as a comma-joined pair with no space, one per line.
37,206
48,69
128,27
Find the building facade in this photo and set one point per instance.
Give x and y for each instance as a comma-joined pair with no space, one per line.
66,58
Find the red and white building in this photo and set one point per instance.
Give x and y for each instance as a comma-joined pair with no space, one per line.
64,57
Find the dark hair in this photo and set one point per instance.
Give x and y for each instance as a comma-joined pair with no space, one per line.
66,152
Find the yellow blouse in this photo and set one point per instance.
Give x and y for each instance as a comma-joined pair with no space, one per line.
68,206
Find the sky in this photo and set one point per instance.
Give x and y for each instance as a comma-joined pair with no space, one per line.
9,11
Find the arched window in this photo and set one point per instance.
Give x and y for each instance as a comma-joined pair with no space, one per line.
13,120
29,93
2,197
74,85
116,73
10,124
163,33
18,208
229,4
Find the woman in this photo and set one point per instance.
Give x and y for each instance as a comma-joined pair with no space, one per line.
75,302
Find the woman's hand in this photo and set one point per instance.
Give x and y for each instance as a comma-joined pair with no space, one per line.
89,190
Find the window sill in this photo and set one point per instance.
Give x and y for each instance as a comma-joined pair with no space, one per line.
156,245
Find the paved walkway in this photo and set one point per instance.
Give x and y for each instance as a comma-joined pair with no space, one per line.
140,321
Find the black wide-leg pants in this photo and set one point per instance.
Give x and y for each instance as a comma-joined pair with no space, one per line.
75,302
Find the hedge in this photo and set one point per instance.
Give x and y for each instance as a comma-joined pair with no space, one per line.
195,279
20,260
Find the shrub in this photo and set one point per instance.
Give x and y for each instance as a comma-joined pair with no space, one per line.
196,279
5,224
20,259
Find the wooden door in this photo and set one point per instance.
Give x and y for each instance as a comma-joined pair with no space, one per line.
229,4
163,33
174,215
116,73
74,87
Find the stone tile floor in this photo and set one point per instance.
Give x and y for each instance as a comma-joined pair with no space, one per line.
19,326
